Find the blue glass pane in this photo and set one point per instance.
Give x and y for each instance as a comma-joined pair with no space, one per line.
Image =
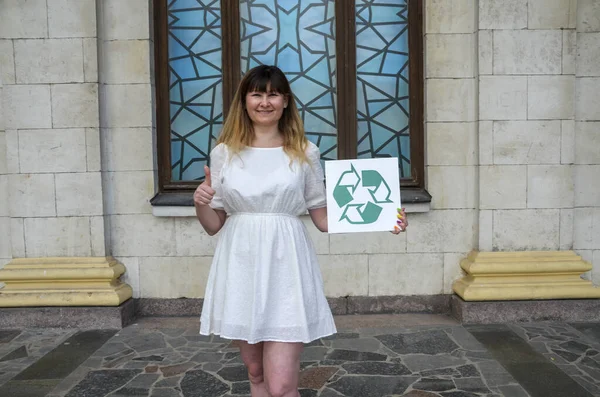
196,106
382,81
298,37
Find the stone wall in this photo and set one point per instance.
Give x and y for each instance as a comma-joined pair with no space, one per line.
511,126
50,102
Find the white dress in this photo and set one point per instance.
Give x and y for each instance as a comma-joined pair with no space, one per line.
265,283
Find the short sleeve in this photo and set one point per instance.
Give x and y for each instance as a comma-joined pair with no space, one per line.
217,160
314,184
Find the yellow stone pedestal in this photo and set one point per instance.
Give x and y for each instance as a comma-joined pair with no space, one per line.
527,275
63,282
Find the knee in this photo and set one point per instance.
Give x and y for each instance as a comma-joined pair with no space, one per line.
281,388
255,372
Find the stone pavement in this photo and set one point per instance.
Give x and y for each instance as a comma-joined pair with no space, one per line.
371,356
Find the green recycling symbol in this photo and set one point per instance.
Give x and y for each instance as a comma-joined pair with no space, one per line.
361,213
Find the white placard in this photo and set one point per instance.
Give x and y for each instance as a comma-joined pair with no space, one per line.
363,195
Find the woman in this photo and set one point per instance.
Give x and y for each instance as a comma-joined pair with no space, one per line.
265,289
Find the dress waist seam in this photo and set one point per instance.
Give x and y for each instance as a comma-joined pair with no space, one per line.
274,214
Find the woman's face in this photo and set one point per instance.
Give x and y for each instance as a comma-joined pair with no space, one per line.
265,108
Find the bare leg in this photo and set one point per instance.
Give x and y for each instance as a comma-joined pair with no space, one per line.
282,368
252,355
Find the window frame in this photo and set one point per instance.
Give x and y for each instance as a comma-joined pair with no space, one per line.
179,192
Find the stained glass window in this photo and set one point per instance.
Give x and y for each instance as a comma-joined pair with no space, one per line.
195,84
298,37
382,80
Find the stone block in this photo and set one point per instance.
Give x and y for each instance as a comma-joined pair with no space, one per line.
126,62
550,186
126,105
569,52
408,274
503,186
434,304
567,142
58,150
486,142
451,143
22,19
12,152
486,55
27,106
527,52
72,18
549,14
502,14
503,98
79,194
587,142
192,240
587,100
588,54
586,223
526,230
49,61
129,192
451,99
527,142
588,16
486,222
101,317
131,276
90,60
64,236
98,237
5,241
442,231
551,97
92,148
32,195
564,310
3,159
452,187
367,243
587,188
457,16
174,277
345,275
4,206
566,229
7,62
125,20
450,55
127,149
75,105
452,269
17,237
320,240
142,235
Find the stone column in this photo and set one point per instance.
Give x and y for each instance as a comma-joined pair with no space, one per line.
526,140
52,134
587,134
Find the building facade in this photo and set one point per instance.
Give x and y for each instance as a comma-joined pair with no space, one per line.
506,106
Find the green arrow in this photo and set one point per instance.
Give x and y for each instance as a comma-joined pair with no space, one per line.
373,179
341,191
369,215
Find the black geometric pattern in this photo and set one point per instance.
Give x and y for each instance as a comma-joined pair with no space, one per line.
298,37
382,81
195,83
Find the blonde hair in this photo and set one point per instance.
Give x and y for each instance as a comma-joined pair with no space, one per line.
238,132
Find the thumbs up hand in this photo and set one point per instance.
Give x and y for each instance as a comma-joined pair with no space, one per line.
204,192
